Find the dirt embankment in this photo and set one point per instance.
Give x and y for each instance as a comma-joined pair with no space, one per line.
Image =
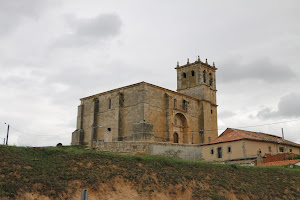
61,173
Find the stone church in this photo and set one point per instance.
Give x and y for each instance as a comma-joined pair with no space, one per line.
146,112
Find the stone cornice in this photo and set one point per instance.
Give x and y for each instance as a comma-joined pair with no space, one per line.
148,84
195,63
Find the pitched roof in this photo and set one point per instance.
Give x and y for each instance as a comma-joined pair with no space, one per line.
281,163
231,134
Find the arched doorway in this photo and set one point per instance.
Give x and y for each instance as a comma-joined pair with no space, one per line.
175,137
180,128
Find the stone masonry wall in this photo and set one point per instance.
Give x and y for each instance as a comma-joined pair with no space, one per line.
161,111
183,151
131,147
175,117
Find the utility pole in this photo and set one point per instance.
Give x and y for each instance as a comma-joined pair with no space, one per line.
7,133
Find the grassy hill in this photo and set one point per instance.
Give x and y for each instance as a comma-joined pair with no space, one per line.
61,173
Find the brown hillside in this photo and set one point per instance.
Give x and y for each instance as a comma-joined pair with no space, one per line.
61,173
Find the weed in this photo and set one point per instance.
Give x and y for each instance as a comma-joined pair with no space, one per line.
217,197
172,153
233,166
49,171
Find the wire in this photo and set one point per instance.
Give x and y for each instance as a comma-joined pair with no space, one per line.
245,126
270,123
37,134
166,131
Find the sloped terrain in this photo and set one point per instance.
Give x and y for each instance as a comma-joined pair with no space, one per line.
61,173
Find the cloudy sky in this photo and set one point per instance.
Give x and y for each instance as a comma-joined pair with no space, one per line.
52,53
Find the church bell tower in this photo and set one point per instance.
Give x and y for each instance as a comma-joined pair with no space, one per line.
198,80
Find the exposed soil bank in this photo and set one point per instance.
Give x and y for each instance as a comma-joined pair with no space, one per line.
61,173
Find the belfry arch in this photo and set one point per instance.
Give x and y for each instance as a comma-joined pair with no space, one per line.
181,129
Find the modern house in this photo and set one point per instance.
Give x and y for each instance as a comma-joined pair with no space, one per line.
240,146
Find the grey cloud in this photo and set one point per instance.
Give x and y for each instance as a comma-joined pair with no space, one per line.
44,82
288,107
89,31
226,114
85,80
262,69
102,26
13,13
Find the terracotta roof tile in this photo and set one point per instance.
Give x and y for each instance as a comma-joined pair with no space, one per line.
280,163
231,134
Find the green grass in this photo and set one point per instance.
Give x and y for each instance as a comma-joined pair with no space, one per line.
51,171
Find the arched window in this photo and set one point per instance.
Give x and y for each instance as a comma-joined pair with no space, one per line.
210,79
175,137
109,103
204,76
183,75
193,73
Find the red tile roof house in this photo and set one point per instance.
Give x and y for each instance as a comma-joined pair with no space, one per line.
248,148
282,162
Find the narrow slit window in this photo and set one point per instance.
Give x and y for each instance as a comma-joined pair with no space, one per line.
109,103
184,104
210,79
